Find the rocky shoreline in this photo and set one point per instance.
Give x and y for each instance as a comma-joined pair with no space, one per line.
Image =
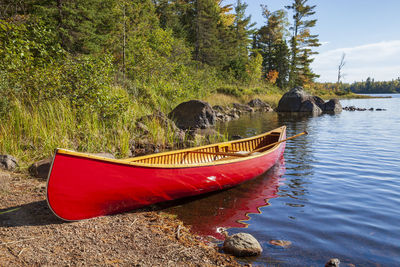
31,235
24,211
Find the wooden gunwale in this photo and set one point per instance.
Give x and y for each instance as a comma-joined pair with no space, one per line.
159,159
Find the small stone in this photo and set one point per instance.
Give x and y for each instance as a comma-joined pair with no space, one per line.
242,245
333,263
218,108
280,243
8,162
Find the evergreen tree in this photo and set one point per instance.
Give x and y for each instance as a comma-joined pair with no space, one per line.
83,26
176,15
243,29
206,32
236,42
301,43
270,41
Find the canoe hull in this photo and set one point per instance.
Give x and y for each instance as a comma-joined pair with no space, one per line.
81,188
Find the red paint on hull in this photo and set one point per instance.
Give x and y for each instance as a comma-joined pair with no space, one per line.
81,188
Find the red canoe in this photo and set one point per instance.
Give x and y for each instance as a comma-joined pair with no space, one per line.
82,186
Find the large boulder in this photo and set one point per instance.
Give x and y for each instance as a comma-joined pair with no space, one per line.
333,105
292,100
242,245
8,162
193,114
298,100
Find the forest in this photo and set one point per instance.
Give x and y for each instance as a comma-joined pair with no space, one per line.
78,73
370,86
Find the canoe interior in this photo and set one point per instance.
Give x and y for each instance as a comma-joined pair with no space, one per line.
193,156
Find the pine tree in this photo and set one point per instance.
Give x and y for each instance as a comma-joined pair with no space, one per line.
206,32
243,29
301,43
270,41
236,42
83,26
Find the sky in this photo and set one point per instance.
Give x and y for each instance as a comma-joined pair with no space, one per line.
367,31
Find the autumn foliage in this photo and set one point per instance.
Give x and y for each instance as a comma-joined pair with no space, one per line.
272,76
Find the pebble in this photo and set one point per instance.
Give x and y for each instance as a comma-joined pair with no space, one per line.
242,245
333,263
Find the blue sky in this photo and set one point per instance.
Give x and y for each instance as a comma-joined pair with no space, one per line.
368,31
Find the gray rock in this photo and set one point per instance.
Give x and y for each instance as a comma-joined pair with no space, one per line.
333,263
219,108
311,107
292,100
257,103
241,107
333,105
298,100
8,162
242,245
319,102
234,114
41,168
193,114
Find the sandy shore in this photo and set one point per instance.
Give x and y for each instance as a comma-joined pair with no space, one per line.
31,235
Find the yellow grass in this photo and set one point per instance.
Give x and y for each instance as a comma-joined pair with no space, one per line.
226,100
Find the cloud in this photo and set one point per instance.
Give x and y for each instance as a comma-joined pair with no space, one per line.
377,60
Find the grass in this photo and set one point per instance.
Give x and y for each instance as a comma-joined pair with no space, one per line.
226,100
32,132
7,211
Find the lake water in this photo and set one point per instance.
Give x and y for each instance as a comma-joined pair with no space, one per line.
335,194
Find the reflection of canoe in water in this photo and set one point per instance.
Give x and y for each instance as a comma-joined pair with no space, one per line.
231,208
82,186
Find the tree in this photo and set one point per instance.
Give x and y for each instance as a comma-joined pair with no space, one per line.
301,43
270,41
243,29
340,67
236,42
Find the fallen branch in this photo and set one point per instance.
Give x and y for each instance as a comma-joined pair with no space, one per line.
178,232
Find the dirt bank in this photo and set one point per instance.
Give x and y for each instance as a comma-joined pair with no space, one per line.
31,235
